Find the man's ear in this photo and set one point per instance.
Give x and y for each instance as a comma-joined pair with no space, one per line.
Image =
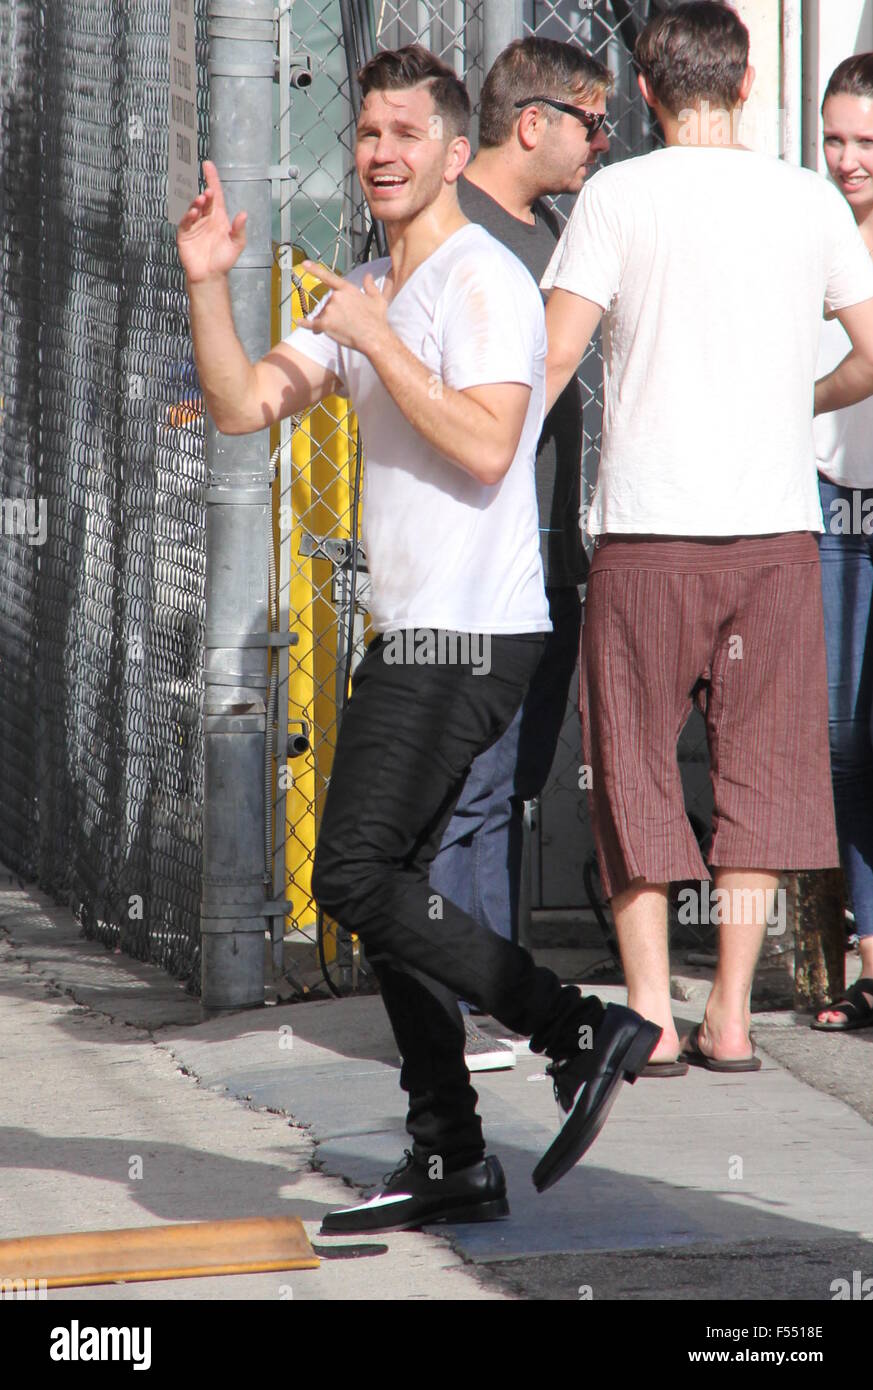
747,84
457,158
642,83
528,127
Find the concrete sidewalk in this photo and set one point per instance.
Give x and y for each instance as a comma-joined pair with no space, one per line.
707,1186
86,1092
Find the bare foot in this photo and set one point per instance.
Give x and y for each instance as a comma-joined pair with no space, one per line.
724,1042
667,1049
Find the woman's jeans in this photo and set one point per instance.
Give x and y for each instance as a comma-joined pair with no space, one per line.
846,550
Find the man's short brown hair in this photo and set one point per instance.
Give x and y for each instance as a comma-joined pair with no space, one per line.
694,53
396,69
536,67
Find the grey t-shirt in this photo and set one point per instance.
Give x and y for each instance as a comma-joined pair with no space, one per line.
559,452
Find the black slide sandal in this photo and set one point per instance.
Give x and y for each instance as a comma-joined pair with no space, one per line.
859,1013
691,1053
677,1068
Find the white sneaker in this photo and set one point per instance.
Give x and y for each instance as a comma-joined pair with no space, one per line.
486,1054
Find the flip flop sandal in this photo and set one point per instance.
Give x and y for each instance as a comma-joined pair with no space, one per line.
677,1068
859,1013
691,1053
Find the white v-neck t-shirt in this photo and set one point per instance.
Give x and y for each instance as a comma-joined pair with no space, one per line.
444,550
712,266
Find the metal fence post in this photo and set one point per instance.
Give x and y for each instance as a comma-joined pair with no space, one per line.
502,21
241,57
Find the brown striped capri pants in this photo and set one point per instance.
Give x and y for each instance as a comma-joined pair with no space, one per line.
735,625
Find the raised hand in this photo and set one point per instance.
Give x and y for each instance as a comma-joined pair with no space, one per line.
355,317
209,243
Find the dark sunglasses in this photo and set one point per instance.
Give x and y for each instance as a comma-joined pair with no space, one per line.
591,119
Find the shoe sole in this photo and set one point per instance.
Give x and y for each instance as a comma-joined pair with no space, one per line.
575,1139
490,1061
730,1068
679,1068
495,1210
732,1065
841,1027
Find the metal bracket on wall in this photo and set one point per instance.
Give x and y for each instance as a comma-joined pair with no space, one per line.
338,552
252,173
215,640
258,10
245,494
240,27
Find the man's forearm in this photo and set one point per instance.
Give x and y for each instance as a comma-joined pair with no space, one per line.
571,321
558,374
225,372
850,382
459,428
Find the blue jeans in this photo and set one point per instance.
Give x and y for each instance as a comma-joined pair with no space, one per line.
478,866
847,590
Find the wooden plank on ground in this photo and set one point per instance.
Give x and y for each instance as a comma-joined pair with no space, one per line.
253,1245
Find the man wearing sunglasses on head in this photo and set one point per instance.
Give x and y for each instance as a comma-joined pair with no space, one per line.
542,109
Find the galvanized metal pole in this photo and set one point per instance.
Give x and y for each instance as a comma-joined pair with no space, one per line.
502,21
792,81
241,57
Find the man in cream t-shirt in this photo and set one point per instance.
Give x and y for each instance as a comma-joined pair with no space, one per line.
708,264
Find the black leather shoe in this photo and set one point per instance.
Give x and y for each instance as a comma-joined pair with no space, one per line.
411,1198
586,1084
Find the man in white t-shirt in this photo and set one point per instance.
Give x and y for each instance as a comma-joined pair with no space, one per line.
441,349
708,264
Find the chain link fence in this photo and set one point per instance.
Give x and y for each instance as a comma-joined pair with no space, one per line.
101,606
102,465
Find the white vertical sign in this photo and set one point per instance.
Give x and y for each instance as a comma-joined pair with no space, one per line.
182,170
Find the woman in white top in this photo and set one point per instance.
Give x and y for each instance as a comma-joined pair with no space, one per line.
844,449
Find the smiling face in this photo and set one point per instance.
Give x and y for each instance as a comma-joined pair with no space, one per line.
403,155
848,147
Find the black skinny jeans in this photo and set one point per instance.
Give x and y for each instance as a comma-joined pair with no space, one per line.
406,743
